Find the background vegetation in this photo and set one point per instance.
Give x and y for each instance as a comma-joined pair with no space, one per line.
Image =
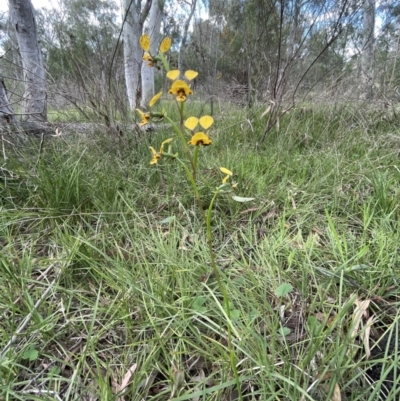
106,288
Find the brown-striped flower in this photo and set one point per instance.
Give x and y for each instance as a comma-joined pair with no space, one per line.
200,139
157,155
180,88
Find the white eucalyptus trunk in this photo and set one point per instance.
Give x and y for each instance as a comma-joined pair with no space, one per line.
367,58
154,31
7,115
185,33
133,53
35,96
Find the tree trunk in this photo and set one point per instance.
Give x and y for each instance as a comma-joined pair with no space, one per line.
185,34
154,28
7,116
35,97
367,58
133,53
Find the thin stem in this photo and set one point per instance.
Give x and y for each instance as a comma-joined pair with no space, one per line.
222,289
164,61
207,219
193,182
181,107
183,140
195,159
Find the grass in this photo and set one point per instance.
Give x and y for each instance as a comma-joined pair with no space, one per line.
96,288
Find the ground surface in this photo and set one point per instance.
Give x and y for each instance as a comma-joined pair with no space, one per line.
106,285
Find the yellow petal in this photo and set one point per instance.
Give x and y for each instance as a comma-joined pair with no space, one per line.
226,171
173,74
156,156
206,122
225,179
190,74
141,113
200,138
144,116
147,56
165,45
191,123
145,42
154,99
165,142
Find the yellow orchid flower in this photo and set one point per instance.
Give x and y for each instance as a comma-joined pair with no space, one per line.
227,176
145,44
181,89
157,155
147,116
200,138
144,116
147,57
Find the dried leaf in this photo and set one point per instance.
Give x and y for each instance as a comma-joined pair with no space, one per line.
198,379
185,237
252,209
127,377
267,110
117,388
367,333
58,132
360,311
242,199
271,214
296,244
293,203
336,396
179,377
317,231
320,316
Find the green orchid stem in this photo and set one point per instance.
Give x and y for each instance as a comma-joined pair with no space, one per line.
164,61
222,288
181,107
193,182
195,158
182,138
207,219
